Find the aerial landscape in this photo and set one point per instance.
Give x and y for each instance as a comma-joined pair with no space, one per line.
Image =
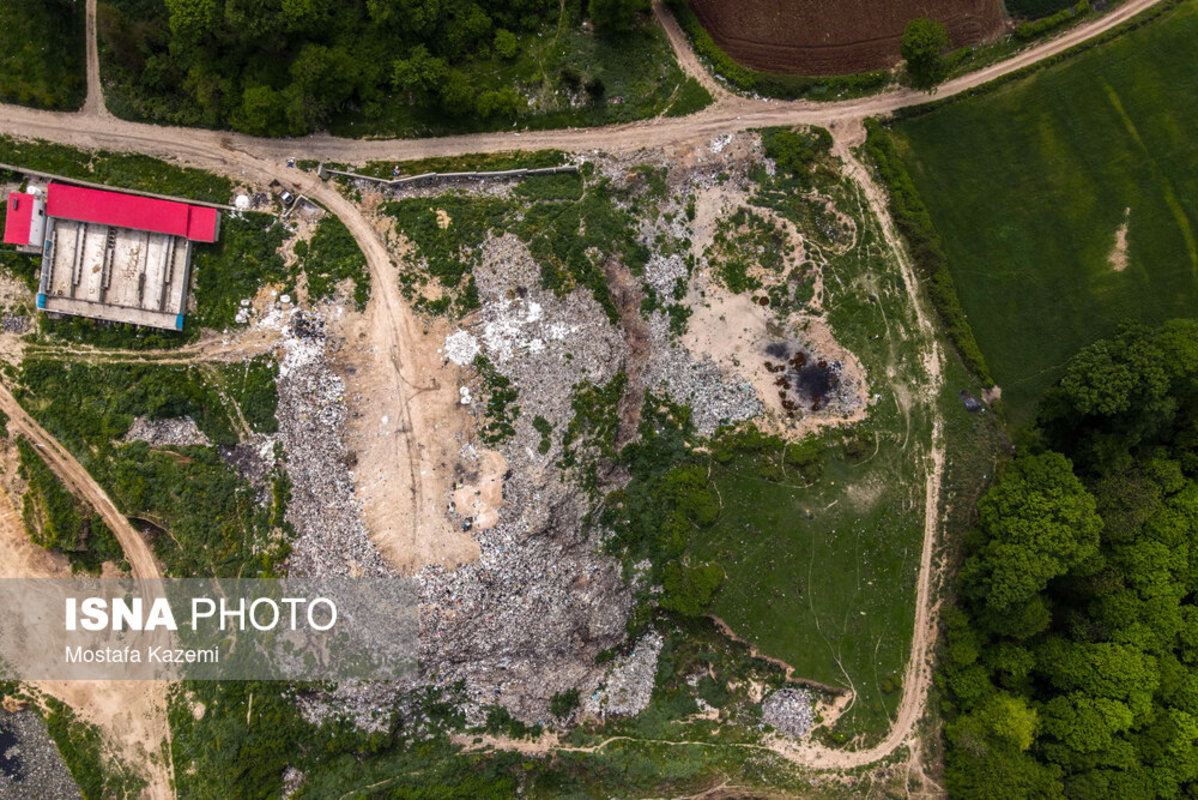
665,399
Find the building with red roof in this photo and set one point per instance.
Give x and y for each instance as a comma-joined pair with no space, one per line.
118,210
25,221
111,255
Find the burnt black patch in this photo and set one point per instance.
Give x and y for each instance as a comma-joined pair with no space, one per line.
778,350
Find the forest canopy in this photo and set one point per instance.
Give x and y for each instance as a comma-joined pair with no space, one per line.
1071,663
288,67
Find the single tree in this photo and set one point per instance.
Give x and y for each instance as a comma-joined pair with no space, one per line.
924,42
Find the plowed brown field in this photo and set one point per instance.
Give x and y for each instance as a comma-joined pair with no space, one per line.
836,37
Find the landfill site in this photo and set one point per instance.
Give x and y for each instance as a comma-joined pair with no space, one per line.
517,596
442,441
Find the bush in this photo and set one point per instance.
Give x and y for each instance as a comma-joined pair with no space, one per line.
42,54
562,703
690,590
796,152
924,42
56,520
82,748
117,169
246,257
334,256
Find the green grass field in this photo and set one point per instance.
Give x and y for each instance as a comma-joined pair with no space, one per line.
823,576
1030,184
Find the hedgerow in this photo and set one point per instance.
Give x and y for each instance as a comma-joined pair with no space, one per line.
927,251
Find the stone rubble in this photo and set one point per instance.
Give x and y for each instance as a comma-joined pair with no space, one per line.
175,432
715,399
628,683
461,348
527,619
331,539
791,712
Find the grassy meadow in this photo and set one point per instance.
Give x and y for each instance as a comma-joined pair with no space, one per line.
1031,186
823,576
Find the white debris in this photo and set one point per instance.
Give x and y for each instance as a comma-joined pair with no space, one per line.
627,687
177,432
461,348
720,142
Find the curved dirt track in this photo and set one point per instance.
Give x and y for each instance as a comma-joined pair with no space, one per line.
71,472
395,327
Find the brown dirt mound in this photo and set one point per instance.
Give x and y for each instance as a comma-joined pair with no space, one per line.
816,37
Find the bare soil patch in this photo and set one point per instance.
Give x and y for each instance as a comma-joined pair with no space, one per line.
812,37
1118,255
407,519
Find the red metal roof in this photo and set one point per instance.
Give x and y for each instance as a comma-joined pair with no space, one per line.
197,223
201,224
18,218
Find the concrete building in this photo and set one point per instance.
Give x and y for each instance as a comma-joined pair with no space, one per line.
110,255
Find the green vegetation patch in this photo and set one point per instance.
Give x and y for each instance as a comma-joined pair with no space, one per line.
246,257
203,518
57,520
691,96
570,223
1069,661
1031,186
808,549
99,775
42,54
372,68
742,241
333,256
500,409
251,385
472,162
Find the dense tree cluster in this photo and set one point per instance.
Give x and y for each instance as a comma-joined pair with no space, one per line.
41,53
1071,664
286,66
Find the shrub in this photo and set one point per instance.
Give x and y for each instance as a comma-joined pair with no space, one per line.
924,42
690,590
562,703
332,257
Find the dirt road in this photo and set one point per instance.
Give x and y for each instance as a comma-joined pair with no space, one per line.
76,478
686,57
94,104
231,152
